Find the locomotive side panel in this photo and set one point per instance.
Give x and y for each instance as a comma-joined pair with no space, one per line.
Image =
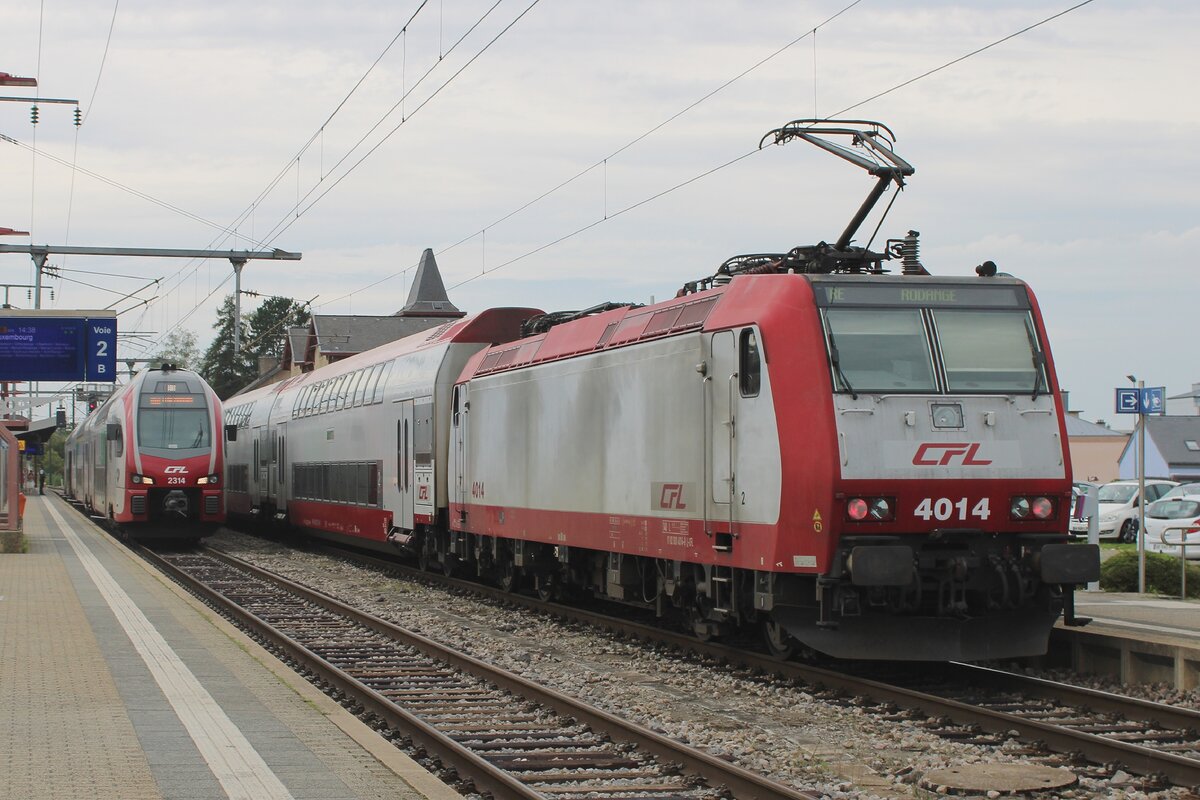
607,451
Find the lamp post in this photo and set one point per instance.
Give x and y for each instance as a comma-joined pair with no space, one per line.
1141,471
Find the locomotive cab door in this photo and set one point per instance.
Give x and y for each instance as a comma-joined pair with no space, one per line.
458,444
734,388
404,464
722,424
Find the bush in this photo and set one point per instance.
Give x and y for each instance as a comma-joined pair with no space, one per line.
1120,574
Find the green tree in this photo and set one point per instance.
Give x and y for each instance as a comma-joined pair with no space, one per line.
224,373
52,461
263,331
269,323
179,347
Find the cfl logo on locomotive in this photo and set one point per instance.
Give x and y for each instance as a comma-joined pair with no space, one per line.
670,496
175,469
927,454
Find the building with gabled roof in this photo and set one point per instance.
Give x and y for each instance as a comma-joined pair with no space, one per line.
1172,449
333,337
1095,449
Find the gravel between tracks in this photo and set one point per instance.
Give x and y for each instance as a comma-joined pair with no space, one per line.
762,723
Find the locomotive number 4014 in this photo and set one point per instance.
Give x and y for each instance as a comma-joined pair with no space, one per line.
943,508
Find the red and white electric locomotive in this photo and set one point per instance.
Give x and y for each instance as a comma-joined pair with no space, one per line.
866,465
150,458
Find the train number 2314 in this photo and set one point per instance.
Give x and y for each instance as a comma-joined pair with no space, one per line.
943,508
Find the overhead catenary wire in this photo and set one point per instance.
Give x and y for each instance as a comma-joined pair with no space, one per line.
738,159
603,162
290,219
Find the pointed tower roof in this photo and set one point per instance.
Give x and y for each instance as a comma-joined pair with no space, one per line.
428,297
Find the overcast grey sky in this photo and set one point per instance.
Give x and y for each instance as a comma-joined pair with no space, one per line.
1066,154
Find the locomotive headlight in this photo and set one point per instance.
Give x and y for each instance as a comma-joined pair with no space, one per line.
146,479
207,480
1032,508
870,509
882,509
1020,508
946,415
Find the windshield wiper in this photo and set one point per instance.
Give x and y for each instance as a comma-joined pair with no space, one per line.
837,367
1039,367
1039,364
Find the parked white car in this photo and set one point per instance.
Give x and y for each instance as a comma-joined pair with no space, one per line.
1119,508
1182,489
1174,521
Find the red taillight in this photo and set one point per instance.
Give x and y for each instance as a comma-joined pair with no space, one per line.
857,509
1193,528
1042,507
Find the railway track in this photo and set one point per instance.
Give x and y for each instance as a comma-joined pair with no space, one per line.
496,732
1093,732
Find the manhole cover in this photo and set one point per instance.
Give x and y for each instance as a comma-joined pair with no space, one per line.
1000,777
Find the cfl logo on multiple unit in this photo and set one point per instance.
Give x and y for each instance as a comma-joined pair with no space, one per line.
941,454
175,469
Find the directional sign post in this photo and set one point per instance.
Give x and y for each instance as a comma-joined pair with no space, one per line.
1141,401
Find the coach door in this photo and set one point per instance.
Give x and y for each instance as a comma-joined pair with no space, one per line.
279,466
258,469
404,464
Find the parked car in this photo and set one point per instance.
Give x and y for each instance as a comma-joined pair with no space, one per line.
1119,508
1173,521
1181,490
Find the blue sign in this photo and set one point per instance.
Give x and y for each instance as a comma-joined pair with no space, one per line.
1127,401
101,350
54,348
1153,400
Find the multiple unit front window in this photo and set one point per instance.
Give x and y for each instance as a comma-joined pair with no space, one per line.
173,428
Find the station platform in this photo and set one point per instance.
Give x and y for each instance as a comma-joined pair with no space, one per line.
1137,638
115,683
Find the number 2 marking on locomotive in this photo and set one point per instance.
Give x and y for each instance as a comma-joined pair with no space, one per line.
943,508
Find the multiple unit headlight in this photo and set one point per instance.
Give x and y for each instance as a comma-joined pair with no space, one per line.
871,509
206,480
1032,507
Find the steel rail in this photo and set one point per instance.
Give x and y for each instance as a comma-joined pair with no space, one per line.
1133,757
719,773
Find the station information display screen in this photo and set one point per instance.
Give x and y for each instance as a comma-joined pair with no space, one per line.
54,347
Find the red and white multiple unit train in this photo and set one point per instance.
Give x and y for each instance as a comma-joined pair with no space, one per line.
150,458
867,465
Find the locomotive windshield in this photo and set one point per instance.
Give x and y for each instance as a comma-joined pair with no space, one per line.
927,339
173,422
880,350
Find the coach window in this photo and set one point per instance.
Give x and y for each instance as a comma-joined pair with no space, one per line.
749,364
382,383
